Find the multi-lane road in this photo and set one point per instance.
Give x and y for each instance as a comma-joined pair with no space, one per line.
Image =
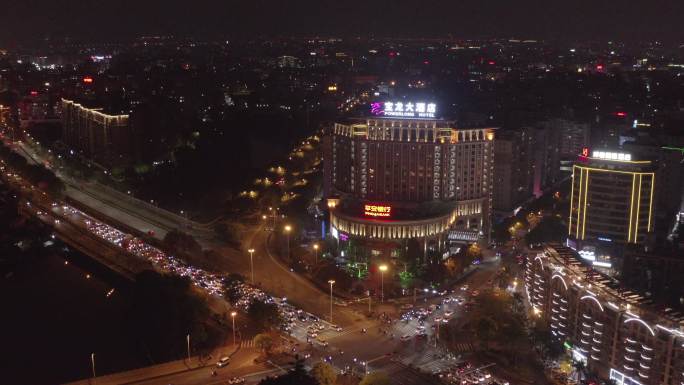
362,345
365,345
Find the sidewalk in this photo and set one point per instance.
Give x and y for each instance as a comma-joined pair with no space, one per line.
160,370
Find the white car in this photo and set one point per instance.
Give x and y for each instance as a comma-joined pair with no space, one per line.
223,361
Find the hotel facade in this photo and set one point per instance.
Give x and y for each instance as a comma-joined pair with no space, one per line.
393,177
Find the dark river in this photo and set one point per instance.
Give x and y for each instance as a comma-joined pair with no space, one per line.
56,312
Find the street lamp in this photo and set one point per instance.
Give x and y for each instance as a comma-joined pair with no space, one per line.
232,315
331,282
288,228
188,339
315,247
383,269
92,363
251,263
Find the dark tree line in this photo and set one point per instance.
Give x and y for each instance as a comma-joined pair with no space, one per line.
38,175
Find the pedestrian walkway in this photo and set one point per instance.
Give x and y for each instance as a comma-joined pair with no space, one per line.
156,371
402,374
429,362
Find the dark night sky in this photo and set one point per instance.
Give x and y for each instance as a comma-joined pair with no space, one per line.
22,20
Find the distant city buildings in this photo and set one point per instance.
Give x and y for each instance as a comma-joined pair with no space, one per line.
528,161
36,108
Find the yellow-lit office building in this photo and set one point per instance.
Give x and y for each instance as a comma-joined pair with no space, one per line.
611,199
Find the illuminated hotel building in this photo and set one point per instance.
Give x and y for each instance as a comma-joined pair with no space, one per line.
611,199
617,333
106,139
402,175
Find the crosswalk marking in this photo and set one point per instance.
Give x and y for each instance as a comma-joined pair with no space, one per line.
247,343
464,347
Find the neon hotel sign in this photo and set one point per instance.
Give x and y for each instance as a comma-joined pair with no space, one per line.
377,211
404,110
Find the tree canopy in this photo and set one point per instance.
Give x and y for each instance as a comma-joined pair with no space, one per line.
296,376
262,315
324,374
164,309
375,378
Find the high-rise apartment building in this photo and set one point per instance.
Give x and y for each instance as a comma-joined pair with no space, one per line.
514,168
616,333
559,142
105,139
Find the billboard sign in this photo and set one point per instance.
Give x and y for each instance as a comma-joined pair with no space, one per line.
377,211
400,109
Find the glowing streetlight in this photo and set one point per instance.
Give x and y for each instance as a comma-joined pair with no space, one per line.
188,340
383,269
92,363
232,315
315,247
288,229
251,262
331,282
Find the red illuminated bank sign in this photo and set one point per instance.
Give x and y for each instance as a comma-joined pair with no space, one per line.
377,210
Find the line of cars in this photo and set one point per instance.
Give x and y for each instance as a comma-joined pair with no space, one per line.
136,246
465,374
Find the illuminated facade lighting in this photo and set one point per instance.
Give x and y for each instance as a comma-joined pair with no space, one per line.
611,198
377,211
616,339
402,109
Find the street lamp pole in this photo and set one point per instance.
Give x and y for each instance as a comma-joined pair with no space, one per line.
382,268
251,263
188,339
92,364
288,228
331,282
232,315
315,246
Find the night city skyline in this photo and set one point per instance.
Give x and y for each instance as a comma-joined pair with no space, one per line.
80,20
342,193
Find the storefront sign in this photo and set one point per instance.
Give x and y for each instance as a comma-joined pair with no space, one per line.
404,109
377,210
